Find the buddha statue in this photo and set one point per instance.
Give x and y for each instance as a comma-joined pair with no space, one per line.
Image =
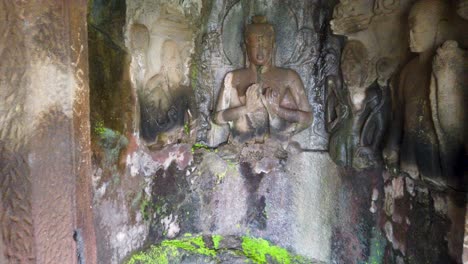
262,99
414,144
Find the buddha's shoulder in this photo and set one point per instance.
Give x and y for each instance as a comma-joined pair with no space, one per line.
239,72
290,73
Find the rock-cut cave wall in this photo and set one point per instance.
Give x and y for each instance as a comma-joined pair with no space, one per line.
163,169
233,131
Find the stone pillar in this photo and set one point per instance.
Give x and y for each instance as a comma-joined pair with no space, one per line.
44,133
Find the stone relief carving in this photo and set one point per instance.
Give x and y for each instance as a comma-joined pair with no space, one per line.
462,8
448,96
162,101
161,50
303,41
426,137
262,99
357,117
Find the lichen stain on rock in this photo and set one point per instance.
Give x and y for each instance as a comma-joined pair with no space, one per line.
109,157
256,215
178,153
170,191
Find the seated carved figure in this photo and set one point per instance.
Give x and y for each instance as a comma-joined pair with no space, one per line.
262,99
416,138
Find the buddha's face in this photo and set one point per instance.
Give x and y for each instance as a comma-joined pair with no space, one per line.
354,65
423,29
259,41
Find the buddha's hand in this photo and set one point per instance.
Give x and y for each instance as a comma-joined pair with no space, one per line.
271,100
448,59
253,100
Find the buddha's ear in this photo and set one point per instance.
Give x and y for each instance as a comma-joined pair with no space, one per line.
273,54
246,56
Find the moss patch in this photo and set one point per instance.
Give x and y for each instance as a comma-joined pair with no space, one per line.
171,250
260,251
192,244
377,248
216,240
197,146
254,250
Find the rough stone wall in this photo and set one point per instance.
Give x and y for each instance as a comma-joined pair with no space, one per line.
148,190
408,219
465,240
44,127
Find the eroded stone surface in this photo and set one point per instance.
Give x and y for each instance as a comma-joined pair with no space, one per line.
45,192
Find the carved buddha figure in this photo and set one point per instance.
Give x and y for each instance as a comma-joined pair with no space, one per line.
412,140
262,99
360,121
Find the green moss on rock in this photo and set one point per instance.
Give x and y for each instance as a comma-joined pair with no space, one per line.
254,250
258,250
216,240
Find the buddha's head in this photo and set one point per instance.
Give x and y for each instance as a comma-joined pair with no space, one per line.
259,40
354,65
426,20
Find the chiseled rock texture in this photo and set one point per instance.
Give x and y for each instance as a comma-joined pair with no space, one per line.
160,166
44,133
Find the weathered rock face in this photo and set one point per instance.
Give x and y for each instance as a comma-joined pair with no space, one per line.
163,180
176,176
421,160
44,133
168,183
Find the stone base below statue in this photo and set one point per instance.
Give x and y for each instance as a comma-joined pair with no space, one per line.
259,190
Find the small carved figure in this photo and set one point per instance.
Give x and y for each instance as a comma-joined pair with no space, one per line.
262,99
357,119
414,142
163,100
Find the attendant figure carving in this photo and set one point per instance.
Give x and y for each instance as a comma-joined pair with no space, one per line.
164,99
416,138
262,99
357,117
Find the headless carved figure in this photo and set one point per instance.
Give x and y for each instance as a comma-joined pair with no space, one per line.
262,98
448,96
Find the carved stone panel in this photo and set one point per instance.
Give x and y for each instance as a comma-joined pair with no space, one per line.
161,40
262,100
302,44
